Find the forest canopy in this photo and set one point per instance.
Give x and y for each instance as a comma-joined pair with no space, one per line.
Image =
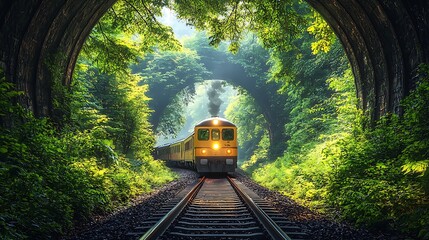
94,154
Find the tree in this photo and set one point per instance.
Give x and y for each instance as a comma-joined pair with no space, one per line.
128,31
168,74
275,22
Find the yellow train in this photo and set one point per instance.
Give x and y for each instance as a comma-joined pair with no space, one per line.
211,148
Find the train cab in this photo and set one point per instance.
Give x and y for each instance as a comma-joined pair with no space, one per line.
215,146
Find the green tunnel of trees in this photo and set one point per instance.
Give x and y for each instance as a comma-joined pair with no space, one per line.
95,153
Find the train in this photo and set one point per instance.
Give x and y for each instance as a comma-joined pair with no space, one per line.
211,148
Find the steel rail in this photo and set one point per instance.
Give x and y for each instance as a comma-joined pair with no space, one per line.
159,228
273,229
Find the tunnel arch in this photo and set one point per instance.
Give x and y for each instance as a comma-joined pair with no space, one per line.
37,32
235,75
196,109
385,42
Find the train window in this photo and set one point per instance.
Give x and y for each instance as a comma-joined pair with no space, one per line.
203,134
215,134
228,134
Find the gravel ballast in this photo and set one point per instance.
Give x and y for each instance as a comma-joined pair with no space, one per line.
315,225
124,220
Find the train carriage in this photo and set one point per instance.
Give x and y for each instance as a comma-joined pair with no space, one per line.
212,148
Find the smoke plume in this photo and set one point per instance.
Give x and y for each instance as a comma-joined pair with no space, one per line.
213,93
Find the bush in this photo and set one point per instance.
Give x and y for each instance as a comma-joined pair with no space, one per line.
52,178
381,178
377,177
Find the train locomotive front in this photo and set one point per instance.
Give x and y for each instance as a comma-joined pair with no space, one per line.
215,146
212,148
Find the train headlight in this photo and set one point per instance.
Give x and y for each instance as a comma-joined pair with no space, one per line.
204,151
228,151
216,146
215,122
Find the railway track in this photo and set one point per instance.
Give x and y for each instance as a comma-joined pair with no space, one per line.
219,208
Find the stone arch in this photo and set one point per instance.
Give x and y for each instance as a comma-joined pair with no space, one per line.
36,32
236,75
385,42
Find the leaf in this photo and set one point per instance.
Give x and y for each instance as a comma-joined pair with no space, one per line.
3,150
419,167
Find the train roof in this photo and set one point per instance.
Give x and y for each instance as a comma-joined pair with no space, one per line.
209,122
175,141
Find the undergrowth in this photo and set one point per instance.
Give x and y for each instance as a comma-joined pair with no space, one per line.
52,178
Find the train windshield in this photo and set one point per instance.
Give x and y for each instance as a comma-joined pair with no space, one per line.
203,134
215,134
228,134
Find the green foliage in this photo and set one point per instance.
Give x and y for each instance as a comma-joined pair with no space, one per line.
324,35
306,180
260,154
101,157
51,179
416,122
53,176
253,57
170,76
7,96
381,176
116,106
128,31
298,95
251,124
375,177
311,102
369,185
287,67
315,130
33,172
275,22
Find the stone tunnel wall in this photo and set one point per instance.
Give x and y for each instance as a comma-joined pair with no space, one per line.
385,41
36,33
